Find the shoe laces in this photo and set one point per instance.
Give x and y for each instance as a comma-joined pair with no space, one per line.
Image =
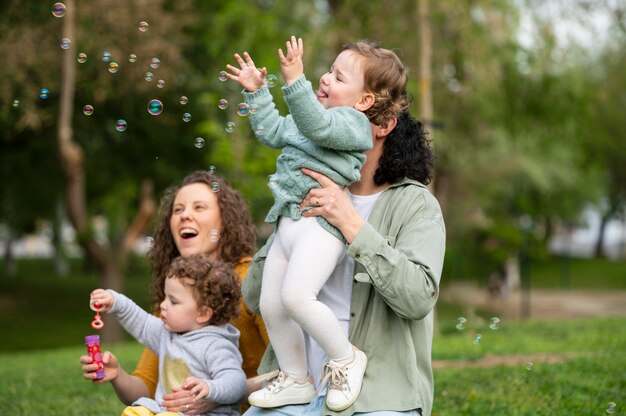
336,375
276,384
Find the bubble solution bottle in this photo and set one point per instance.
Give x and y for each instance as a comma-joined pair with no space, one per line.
93,350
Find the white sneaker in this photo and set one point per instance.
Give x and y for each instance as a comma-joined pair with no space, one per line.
282,391
344,381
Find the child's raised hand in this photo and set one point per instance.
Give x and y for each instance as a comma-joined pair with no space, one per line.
198,387
249,76
102,300
291,65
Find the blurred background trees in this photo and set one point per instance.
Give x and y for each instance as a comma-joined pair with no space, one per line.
527,126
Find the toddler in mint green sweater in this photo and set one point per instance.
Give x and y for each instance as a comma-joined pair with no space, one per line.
327,131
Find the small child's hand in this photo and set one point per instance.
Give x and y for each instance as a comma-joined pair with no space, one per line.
197,387
249,76
102,299
291,65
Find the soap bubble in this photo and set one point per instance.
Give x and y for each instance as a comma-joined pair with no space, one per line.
155,63
114,67
88,110
58,10
43,94
66,43
160,83
121,125
184,100
155,107
211,169
148,76
253,109
530,366
16,103
271,80
230,127
461,323
82,57
494,323
132,58
214,233
143,26
222,76
222,104
477,339
199,142
186,117
215,186
150,240
106,56
243,109
611,407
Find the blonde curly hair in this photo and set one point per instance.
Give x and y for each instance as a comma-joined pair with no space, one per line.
385,76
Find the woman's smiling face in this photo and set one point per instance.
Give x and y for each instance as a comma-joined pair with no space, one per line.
196,220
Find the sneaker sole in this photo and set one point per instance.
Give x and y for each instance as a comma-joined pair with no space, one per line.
268,404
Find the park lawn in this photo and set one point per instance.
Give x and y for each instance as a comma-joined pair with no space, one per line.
48,382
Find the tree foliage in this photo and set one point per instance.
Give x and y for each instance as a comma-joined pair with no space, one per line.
530,130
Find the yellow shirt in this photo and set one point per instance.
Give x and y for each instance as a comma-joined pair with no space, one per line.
252,341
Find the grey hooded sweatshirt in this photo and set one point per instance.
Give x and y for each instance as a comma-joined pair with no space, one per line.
210,353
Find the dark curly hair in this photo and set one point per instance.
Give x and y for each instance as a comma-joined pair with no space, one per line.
406,153
385,76
213,284
237,236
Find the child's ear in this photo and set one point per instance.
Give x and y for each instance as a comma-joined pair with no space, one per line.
204,315
365,102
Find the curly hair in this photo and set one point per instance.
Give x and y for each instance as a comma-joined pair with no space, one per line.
406,153
385,76
237,238
213,284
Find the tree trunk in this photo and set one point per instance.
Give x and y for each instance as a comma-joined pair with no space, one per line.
61,266
599,249
10,265
71,158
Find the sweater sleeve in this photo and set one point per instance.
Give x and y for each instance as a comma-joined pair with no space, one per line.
144,327
227,383
268,125
339,128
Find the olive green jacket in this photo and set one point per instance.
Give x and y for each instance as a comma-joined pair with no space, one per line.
399,256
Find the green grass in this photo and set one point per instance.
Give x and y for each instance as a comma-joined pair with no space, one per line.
49,382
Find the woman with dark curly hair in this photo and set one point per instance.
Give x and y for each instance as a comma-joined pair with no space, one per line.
196,343
201,215
385,288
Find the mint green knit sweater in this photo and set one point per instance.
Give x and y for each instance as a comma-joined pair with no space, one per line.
330,141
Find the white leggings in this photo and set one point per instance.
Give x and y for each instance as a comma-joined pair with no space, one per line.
299,262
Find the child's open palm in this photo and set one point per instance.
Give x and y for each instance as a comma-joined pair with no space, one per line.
291,65
249,76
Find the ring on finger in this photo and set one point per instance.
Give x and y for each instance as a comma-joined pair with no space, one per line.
187,406
317,202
